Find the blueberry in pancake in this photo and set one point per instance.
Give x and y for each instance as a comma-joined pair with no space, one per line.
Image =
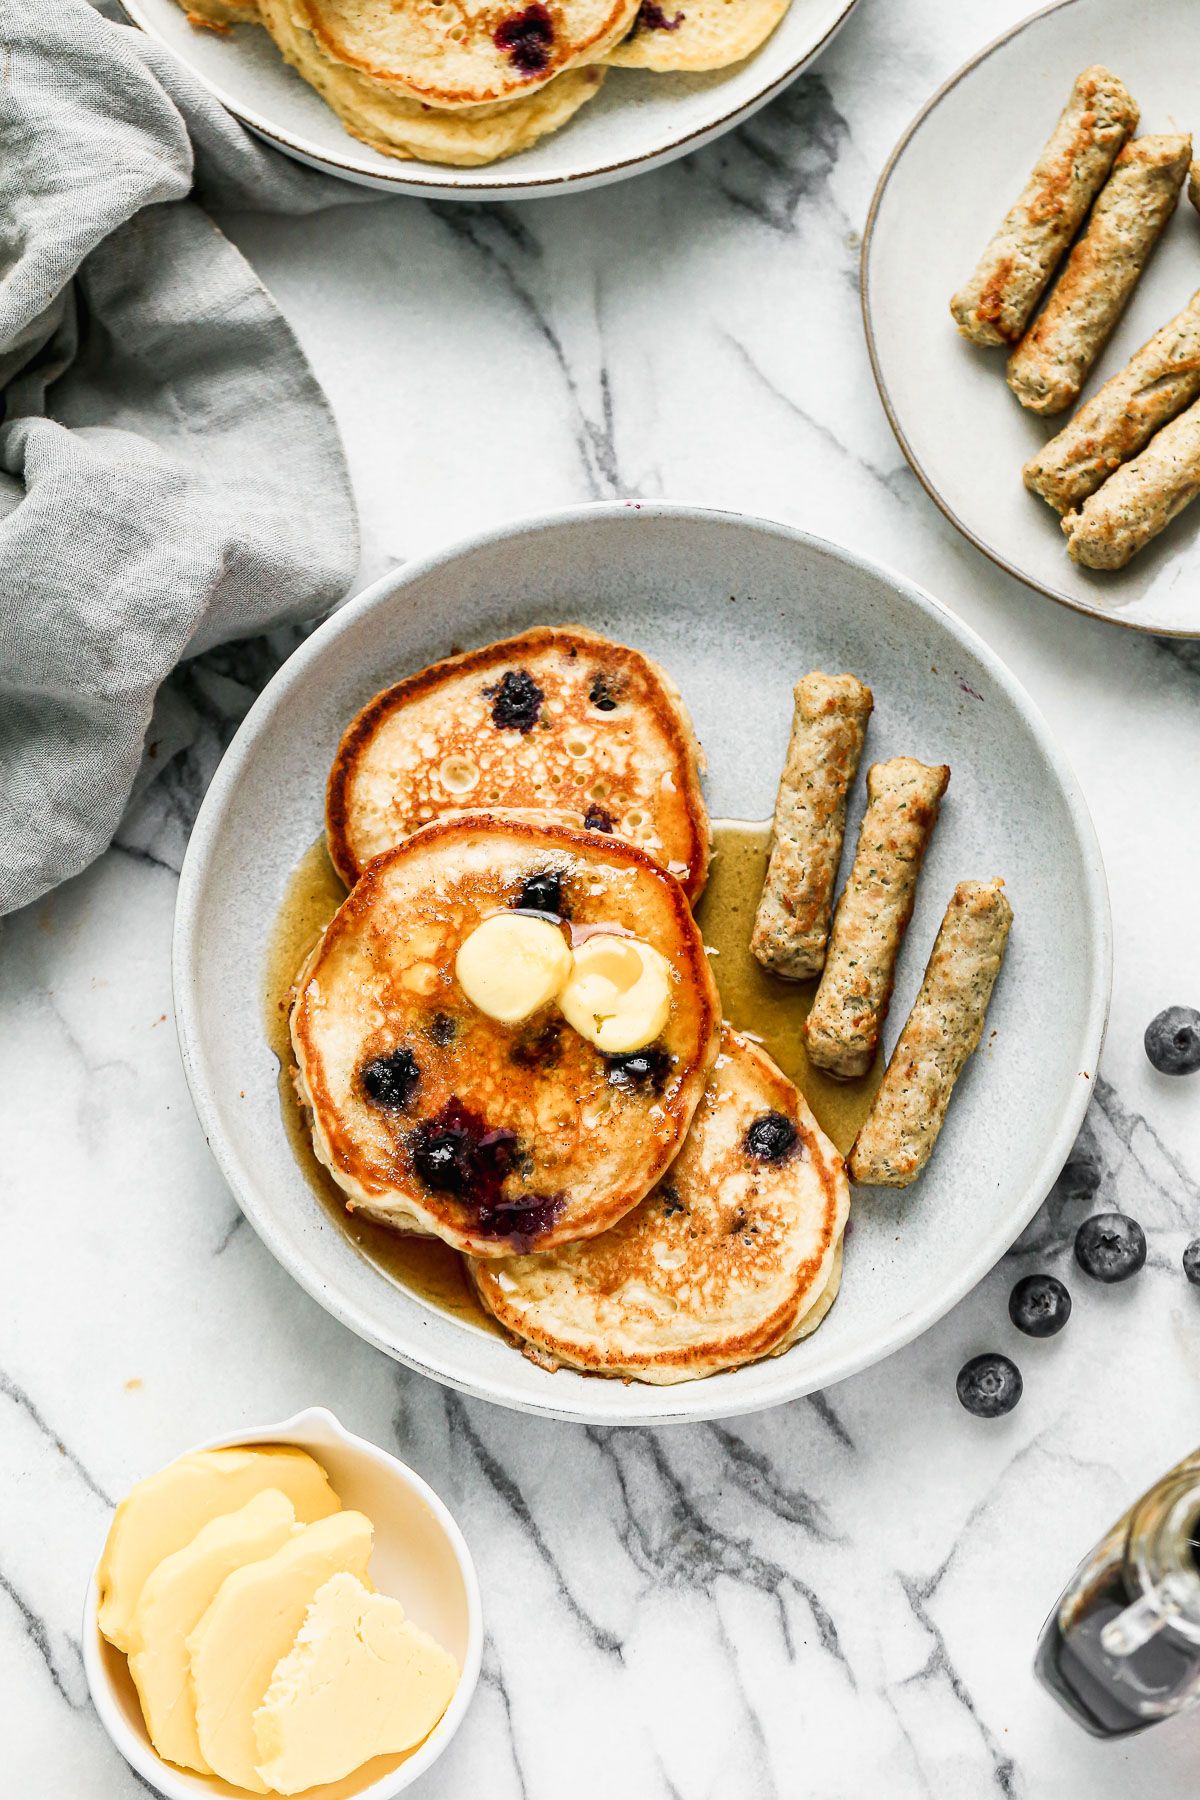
556,721
504,1032
734,1256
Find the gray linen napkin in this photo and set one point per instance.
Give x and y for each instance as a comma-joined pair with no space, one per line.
170,473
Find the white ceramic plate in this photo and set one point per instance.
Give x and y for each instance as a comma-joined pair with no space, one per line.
958,168
638,120
736,609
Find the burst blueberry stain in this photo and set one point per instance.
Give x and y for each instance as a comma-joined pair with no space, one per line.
771,1137
388,1081
596,819
540,1049
442,1029
651,17
456,1152
526,37
516,701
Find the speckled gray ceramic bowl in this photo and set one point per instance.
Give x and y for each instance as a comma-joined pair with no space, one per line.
735,608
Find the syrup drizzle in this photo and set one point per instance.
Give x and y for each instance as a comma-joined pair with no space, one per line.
765,1008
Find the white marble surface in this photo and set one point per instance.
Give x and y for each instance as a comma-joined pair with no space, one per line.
836,1599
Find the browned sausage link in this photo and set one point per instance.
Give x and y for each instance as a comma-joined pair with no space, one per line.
1141,499
943,1028
1194,186
998,301
1155,384
828,727
1049,366
842,1030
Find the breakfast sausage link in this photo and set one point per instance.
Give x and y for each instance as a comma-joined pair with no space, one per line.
997,302
1155,384
842,1030
1194,186
1141,499
1049,366
828,727
943,1028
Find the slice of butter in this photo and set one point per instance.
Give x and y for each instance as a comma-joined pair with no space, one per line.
360,1681
251,1624
165,1511
175,1596
619,993
511,964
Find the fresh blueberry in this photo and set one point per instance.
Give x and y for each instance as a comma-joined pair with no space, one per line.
542,893
1191,1262
1173,1041
989,1385
1110,1246
770,1137
388,1081
516,701
1039,1305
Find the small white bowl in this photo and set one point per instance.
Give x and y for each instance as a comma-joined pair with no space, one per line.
420,1557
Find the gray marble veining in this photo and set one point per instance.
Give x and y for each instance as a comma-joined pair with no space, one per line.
835,1599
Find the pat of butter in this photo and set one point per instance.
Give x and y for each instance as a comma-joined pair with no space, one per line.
175,1596
251,1625
166,1510
619,993
511,964
359,1681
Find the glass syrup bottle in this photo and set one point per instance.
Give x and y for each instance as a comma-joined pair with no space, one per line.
1121,1650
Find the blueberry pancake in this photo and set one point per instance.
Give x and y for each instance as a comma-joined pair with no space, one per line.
463,53
734,1256
696,34
397,125
560,721
504,1032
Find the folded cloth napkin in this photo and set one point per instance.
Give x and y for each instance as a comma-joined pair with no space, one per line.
170,472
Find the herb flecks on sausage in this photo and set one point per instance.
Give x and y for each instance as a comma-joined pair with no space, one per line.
828,727
996,304
1118,421
903,799
942,1031
1048,368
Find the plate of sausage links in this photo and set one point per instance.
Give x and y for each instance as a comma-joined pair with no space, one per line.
1030,281
611,1077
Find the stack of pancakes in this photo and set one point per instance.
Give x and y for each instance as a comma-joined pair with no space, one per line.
456,81
658,1214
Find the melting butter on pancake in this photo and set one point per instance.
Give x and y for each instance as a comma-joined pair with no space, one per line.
696,34
734,1256
397,125
436,1117
560,721
462,53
